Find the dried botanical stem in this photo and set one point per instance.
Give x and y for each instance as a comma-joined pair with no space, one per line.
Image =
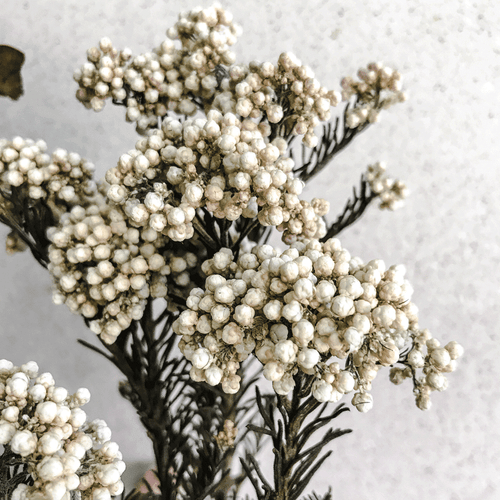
294,467
353,209
333,141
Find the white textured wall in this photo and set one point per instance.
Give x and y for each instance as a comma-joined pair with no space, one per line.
444,142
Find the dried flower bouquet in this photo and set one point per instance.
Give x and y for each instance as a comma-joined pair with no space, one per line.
167,260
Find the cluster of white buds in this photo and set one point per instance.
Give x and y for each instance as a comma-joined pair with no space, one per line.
44,425
434,364
167,78
299,310
390,192
225,438
205,35
379,87
305,221
219,163
102,76
62,180
105,268
286,93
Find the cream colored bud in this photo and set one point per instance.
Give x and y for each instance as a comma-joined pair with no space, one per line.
455,349
440,357
201,358
285,351
273,371
344,382
362,401
213,375
342,306
322,390
303,331
308,358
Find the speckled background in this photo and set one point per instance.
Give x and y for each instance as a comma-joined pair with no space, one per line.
444,142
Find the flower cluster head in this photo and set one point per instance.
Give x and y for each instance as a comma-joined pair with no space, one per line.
170,77
105,268
219,163
102,76
29,175
285,93
435,361
378,88
304,309
391,192
45,426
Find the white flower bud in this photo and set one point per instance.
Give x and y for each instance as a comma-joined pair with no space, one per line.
440,357
7,431
213,375
285,385
76,449
11,414
20,493
353,338
423,402
285,351
384,315
326,326
361,323
78,417
388,353
350,286
224,294
46,411
23,443
244,314
292,311
289,272
344,382
231,384
308,358
6,366
176,217
273,371
325,291
455,349
49,444
362,401
232,334
342,306
116,488
201,358
303,289
391,292
272,310
58,394
153,202
17,387
101,494
303,331
108,474
416,359
50,468
437,381
30,369
322,390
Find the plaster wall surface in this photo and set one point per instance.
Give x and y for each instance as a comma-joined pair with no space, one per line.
444,142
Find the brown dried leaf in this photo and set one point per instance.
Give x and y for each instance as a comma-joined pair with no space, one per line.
11,61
